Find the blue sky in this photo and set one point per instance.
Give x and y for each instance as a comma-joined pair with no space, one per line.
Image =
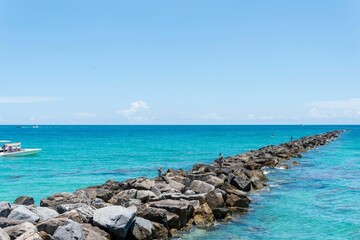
179,62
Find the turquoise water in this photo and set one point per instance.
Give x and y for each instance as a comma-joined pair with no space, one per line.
320,199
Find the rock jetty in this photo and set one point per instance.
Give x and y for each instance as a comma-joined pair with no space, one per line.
144,208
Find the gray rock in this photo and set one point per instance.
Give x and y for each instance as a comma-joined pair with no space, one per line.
241,184
114,219
98,203
4,235
221,213
46,213
5,209
95,192
213,180
23,214
24,200
215,199
161,232
15,232
70,231
62,208
140,183
145,195
5,222
51,225
86,213
95,233
141,229
182,208
201,187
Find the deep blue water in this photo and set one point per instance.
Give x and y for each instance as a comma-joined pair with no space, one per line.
319,199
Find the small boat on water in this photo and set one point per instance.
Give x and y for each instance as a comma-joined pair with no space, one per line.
14,150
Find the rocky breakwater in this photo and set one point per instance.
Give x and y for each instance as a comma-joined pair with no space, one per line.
156,208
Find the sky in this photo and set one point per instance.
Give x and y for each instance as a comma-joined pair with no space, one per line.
180,62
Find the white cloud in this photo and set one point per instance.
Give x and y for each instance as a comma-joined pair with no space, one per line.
83,115
3,120
209,117
133,110
267,117
342,109
25,99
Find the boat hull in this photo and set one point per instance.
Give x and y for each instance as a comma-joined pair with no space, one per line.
25,152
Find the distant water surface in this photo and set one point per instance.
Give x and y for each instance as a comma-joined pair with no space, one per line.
317,200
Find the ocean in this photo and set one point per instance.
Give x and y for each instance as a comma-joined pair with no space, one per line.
318,199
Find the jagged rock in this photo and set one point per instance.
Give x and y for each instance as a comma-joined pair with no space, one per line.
53,201
95,233
141,229
62,208
256,183
29,236
203,216
145,195
23,214
140,183
72,215
5,209
114,219
6,222
51,225
233,200
96,192
221,213
24,200
201,187
182,208
86,213
113,185
133,202
46,213
153,214
15,232
69,231
44,236
174,185
213,180
4,235
155,190
215,199
161,232
98,203
241,184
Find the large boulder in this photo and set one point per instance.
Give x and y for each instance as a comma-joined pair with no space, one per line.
51,225
69,231
114,219
215,199
96,192
94,233
140,183
80,196
23,214
141,229
233,200
241,184
221,213
201,187
203,216
213,180
86,213
24,200
15,232
153,214
62,208
183,209
6,222
161,232
145,195
4,235
5,209
46,213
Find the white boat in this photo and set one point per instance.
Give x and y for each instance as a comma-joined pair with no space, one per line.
14,150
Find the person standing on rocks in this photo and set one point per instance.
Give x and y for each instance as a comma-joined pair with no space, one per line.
159,171
220,161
